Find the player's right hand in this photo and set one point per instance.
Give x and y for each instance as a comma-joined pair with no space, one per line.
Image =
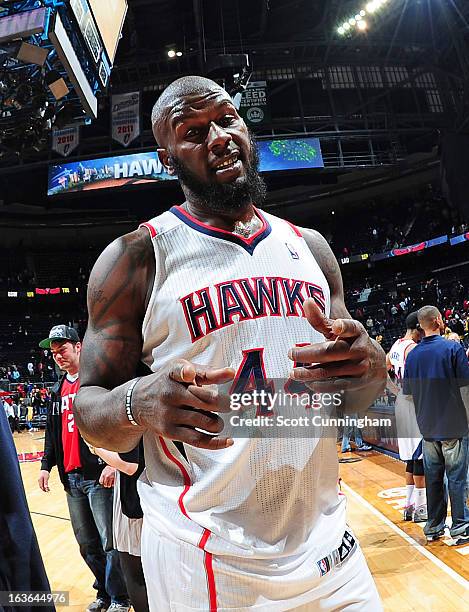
181,399
43,480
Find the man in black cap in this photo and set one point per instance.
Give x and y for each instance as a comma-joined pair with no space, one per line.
86,479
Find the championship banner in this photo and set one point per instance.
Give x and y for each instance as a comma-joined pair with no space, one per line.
254,107
65,141
125,117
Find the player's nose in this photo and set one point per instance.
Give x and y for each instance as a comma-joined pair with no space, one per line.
217,138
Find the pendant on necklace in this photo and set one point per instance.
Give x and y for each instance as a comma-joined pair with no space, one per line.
247,229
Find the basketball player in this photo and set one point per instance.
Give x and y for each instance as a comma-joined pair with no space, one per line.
89,503
409,437
212,291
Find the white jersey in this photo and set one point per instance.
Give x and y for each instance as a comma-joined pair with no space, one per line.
408,434
222,300
398,355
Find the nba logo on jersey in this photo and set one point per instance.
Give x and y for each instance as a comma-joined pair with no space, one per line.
293,253
323,566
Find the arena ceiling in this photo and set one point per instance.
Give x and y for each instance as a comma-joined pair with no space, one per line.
272,31
218,23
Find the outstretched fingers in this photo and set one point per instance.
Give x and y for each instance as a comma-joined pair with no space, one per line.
184,371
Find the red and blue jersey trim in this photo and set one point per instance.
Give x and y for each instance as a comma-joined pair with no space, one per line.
150,228
249,244
208,557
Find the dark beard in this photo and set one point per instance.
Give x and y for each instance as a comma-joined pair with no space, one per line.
222,198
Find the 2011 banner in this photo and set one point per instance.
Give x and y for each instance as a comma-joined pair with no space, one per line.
125,117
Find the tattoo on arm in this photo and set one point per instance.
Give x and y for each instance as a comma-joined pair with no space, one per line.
116,304
330,267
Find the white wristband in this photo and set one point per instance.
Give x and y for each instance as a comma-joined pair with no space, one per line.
128,402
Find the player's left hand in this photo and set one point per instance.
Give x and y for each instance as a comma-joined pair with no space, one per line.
348,360
108,477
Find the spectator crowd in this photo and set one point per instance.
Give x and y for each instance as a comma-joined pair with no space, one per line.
25,404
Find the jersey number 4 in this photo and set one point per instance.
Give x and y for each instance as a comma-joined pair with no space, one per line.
251,376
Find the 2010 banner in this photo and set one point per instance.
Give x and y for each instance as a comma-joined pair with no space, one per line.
65,141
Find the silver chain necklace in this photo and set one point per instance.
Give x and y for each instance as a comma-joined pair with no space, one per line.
248,228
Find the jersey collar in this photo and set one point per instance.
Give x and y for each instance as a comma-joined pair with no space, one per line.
249,244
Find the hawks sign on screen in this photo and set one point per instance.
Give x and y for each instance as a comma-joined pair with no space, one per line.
138,168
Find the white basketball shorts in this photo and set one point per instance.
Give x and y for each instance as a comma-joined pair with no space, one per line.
181,577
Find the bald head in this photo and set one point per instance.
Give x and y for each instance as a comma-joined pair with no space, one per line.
429,317
173,96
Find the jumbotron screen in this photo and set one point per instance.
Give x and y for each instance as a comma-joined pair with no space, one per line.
143,168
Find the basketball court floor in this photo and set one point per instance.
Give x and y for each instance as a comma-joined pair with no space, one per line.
410,575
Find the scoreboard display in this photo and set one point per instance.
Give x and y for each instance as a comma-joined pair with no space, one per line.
109,16
100,23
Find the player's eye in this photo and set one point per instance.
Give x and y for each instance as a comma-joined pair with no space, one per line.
227,120
193,132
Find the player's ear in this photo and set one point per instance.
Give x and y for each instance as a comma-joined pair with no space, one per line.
165,159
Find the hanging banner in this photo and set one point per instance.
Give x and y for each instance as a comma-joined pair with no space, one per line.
254,107
65,141
125,117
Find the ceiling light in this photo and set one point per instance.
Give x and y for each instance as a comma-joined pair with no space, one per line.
352,21
358,17
341,30
179,53
171,53
362,25
346,26
362,12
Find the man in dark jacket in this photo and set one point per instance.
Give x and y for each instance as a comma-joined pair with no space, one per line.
21,566
86,478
